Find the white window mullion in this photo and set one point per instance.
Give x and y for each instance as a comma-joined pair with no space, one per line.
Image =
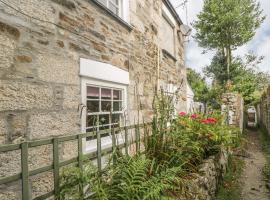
99,100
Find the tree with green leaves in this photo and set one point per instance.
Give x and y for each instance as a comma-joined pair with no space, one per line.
202,92
225,25
198,85
247,79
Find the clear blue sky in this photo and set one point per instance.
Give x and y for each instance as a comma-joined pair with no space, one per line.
260,44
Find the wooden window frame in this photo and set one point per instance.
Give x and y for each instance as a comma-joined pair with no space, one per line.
90,145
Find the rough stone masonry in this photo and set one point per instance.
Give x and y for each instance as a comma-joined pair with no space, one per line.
41,43
263,110
233,107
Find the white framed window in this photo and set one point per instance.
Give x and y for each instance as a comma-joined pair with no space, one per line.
116,6
105,105
104,94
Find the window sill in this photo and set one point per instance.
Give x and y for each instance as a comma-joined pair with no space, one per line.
106,142
166,53
111,14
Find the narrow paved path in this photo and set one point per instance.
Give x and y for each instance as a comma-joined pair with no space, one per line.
252,181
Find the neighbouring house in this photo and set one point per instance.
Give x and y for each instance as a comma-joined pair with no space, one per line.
65,65
190,99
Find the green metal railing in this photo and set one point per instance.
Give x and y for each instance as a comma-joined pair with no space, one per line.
25,173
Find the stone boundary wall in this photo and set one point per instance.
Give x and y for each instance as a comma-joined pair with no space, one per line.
211,173
233,106
263,111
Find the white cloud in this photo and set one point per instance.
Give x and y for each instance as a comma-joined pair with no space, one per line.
260,44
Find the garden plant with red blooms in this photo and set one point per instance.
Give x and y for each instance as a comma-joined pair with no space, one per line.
194,116
182,114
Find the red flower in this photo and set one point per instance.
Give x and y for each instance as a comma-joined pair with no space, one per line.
194,116
182,114
212,119
205,121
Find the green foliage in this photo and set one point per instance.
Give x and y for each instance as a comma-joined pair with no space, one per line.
198,85
230,188
224,25
129,179
246,78
175,148
265,141
210,96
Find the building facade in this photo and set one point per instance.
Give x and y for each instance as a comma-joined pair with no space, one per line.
68,66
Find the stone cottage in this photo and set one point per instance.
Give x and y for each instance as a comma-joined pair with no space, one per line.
67,64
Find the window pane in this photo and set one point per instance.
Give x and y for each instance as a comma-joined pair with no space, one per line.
92,92
106,106
106,93
91,120
103,2
90,130
117,95
116,118
113,8
104,128
117,106
92,106
104,120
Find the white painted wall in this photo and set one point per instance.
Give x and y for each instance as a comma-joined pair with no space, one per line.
103,71
190,99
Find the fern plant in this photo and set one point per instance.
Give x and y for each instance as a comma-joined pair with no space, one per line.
129,179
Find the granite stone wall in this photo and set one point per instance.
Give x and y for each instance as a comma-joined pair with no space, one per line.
41,43
233,107
205,184
263,110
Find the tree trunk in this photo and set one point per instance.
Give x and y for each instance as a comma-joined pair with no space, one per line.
228,56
